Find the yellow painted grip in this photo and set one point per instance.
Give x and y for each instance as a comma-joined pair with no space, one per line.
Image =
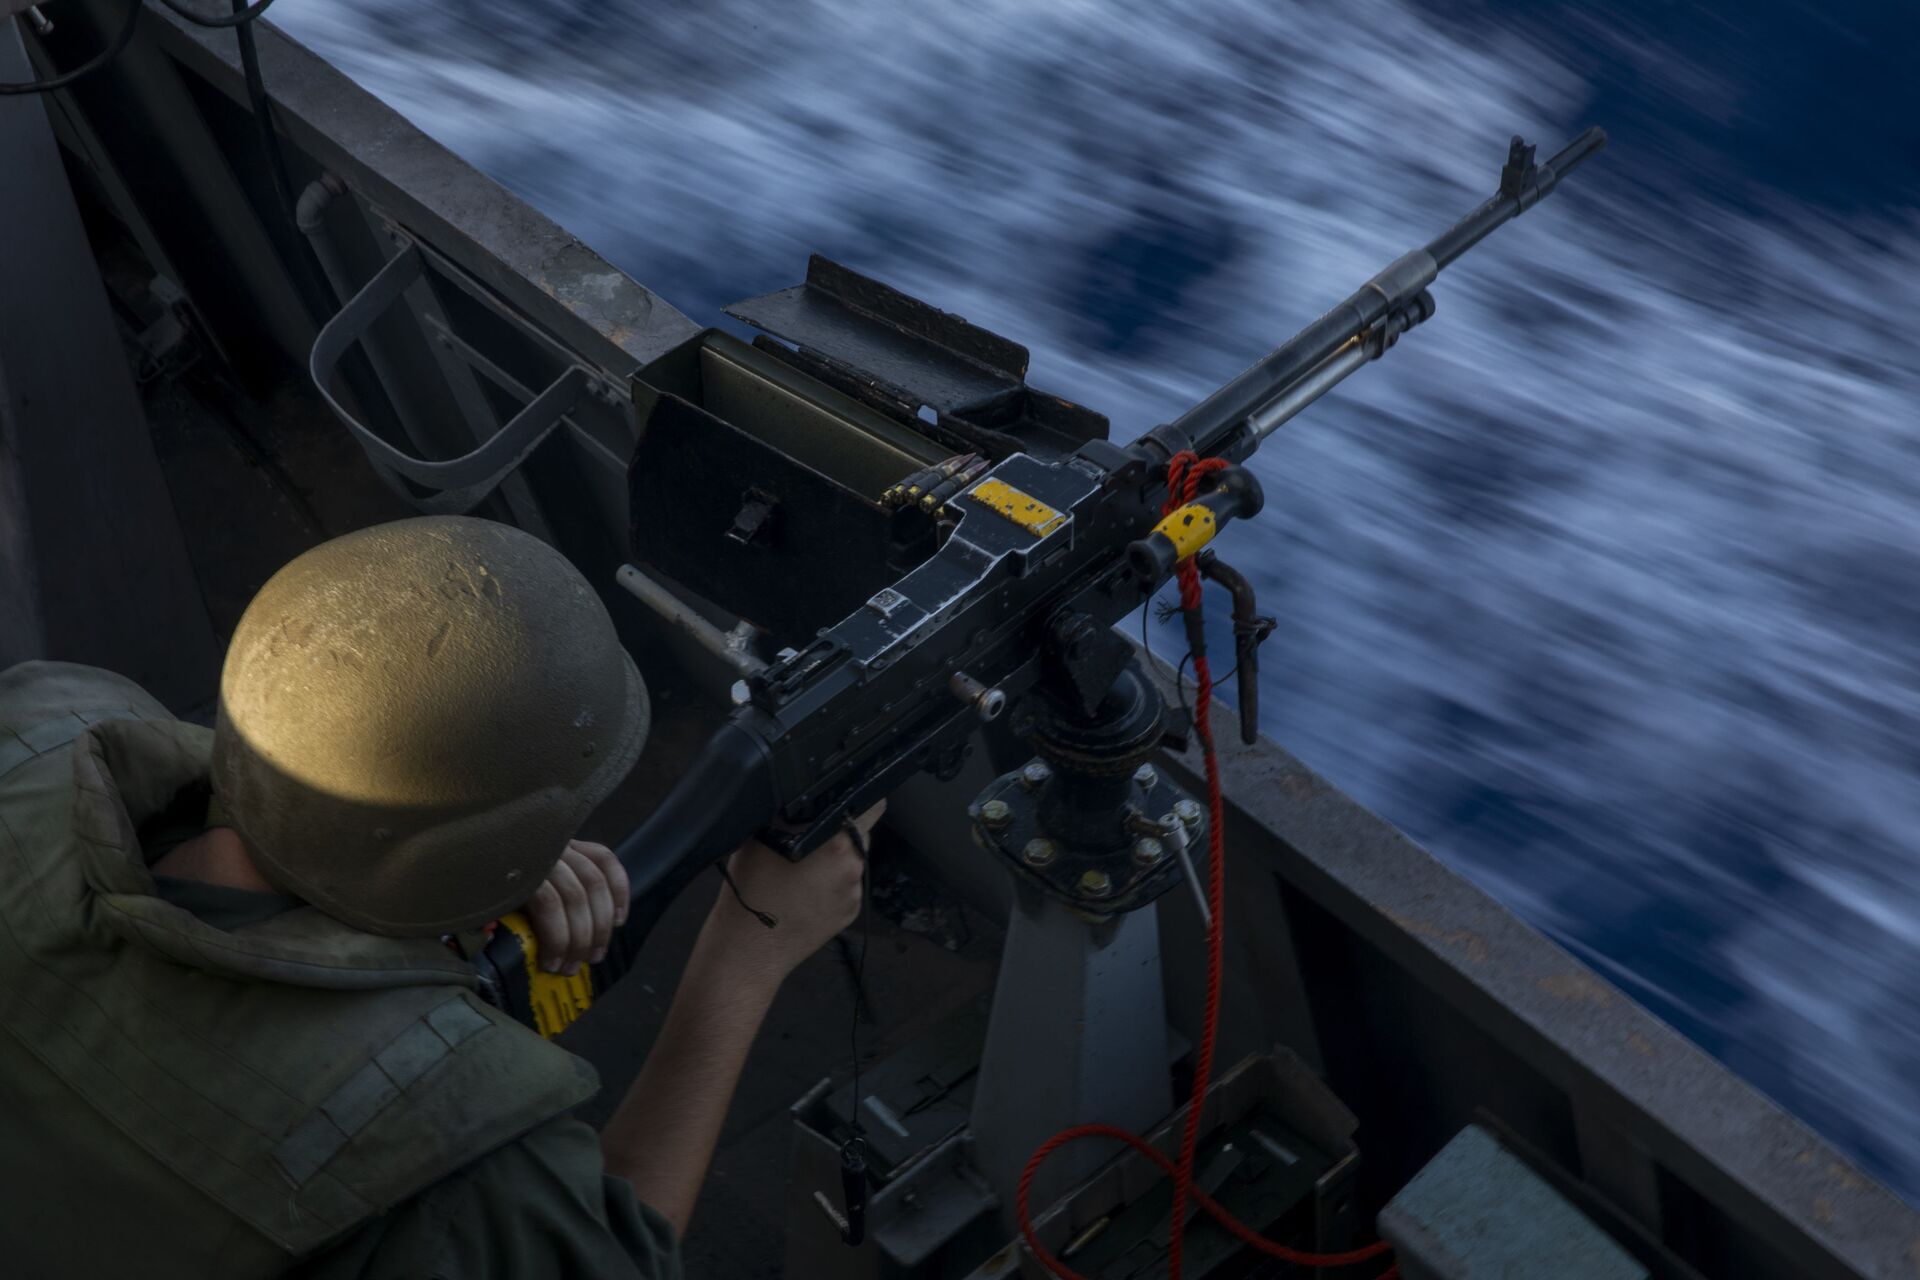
1188,529
556,999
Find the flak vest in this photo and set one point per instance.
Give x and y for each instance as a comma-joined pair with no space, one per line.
180,1100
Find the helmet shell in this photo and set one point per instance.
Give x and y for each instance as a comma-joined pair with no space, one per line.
415,718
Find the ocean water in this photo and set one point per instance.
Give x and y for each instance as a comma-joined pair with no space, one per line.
1605,585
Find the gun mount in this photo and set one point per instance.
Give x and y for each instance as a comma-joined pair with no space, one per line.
1088,820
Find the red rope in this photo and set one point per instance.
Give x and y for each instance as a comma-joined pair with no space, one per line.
1184,475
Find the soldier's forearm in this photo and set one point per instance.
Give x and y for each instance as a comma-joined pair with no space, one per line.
661,1138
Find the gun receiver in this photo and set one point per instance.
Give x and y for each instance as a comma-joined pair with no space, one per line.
1044,555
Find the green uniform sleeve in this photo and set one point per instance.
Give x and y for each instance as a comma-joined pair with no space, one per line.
539,1207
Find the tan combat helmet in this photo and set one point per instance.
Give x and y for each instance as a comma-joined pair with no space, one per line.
415,718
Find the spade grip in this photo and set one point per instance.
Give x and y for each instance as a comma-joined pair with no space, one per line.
725,795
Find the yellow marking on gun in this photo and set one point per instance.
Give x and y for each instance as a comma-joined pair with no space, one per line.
1188,529
556,999
1025,510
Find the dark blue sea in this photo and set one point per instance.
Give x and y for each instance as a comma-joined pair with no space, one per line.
1605,585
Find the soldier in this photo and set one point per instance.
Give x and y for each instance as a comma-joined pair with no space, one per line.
238,1037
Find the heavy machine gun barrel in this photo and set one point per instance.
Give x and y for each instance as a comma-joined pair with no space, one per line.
1299,370
1044,555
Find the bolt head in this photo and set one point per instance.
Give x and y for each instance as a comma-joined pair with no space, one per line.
1035,774
1189,812
1039,852
1145,775
996,813
1096,884
1147,851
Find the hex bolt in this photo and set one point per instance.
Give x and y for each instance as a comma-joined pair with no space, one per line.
996,814
1189,812
1039,852
1145,776
1147,851
1095,884
1035,775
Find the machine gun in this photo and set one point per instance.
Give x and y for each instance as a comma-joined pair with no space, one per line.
1039,557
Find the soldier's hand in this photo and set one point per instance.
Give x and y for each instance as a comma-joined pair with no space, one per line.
811,900
576,911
